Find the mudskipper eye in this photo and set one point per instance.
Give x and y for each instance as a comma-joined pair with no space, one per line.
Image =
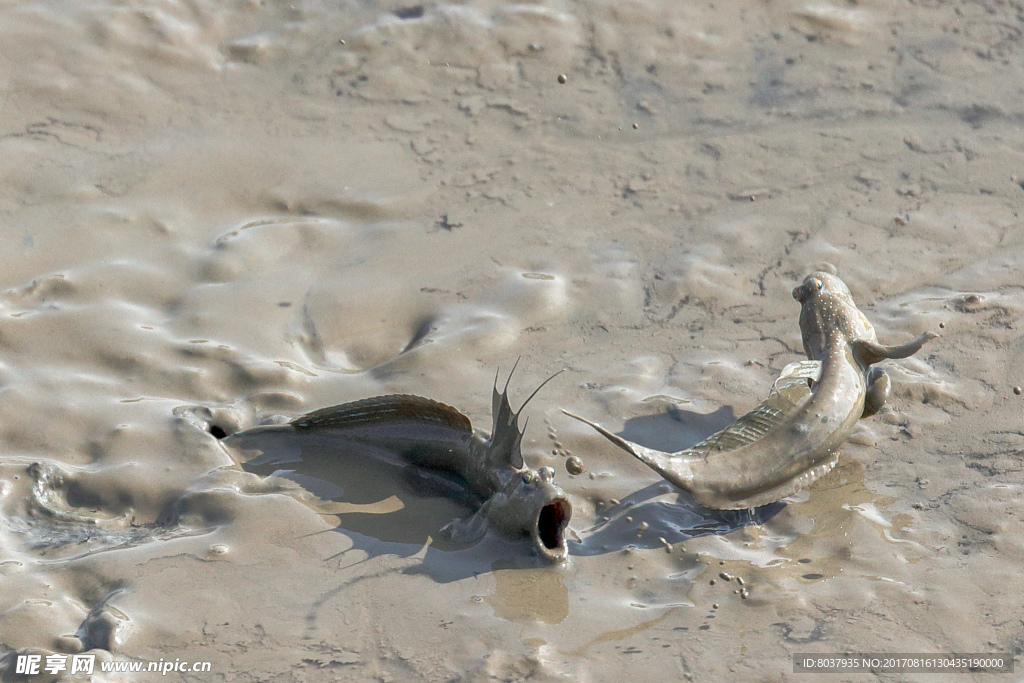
528,477
546,473
818,284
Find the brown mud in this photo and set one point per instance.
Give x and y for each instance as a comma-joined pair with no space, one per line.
217,214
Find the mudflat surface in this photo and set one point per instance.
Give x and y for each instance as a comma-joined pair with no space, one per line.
227,214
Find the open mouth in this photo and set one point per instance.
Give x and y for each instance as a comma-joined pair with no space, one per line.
550,532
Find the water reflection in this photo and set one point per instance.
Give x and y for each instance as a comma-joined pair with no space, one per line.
523,592
834,510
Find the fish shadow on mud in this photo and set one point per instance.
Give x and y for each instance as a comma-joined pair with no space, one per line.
384,506
669,513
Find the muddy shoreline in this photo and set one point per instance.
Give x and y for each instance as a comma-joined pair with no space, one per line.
239,213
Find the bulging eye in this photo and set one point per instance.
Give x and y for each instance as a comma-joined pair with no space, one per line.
818,284
546,473
528,477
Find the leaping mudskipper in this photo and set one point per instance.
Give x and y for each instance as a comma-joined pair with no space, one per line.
793,437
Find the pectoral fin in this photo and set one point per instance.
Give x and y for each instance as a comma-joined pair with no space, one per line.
879,388
466,531
869,352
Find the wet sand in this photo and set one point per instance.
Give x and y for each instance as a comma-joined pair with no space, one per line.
221,215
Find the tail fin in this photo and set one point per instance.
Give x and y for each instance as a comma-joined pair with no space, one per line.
872,352
506,436
674,467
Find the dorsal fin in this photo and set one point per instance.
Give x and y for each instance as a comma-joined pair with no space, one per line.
506,436
758,422
801,369
745,430
383,409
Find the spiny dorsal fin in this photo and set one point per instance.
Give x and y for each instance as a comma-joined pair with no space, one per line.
758,422
380,409
506,436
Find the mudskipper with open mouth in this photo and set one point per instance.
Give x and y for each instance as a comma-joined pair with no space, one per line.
792,438
513,499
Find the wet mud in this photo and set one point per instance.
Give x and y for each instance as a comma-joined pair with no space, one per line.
220,215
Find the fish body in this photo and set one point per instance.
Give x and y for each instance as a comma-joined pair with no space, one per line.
793,437
513,499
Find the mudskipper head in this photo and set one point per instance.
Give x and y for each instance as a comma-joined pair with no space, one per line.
530,503
827,311
534,506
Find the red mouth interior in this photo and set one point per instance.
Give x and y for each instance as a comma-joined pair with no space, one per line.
551,522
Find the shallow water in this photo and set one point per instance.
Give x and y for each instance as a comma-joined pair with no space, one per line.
227,214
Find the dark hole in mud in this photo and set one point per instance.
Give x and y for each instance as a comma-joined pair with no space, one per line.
550,524
414,12
217,431
79,497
